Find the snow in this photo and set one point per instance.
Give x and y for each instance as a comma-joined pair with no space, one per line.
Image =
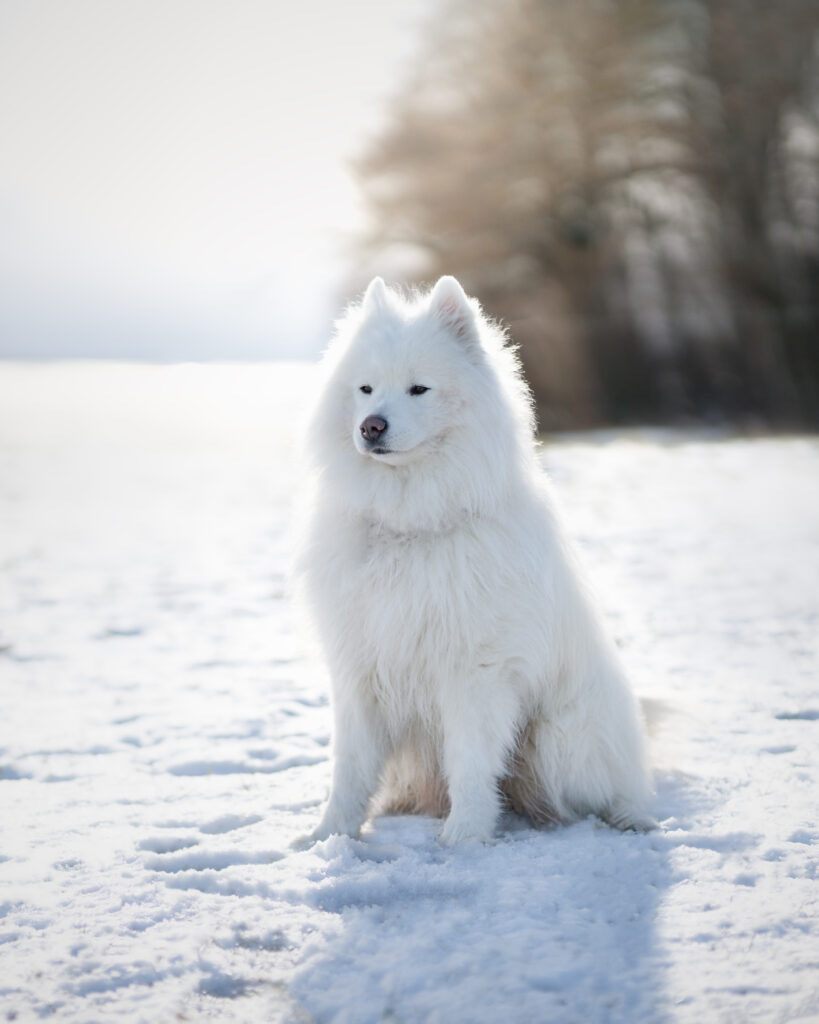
164,736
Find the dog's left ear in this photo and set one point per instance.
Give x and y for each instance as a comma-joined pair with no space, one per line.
376,298
450,304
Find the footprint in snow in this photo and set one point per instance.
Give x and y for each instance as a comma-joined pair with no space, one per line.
229,823
167,844
204,860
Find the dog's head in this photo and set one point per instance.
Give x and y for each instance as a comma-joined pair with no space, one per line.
423,405
406,371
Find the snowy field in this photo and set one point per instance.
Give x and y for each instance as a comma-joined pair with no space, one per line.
164,737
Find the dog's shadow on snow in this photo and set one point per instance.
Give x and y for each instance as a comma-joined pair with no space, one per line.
542,924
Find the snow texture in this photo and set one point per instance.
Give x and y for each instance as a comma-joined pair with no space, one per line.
164,736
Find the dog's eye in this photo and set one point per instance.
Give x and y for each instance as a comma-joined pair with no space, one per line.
366,389
417,389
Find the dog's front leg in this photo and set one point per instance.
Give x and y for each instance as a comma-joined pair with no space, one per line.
479,729
359,751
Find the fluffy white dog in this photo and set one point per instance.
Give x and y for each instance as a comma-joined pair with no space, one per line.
468,666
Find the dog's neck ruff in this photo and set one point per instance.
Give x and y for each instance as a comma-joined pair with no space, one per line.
379,529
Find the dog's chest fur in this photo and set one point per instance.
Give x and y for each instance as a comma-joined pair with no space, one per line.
425,607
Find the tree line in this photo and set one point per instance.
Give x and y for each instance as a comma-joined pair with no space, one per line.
631,185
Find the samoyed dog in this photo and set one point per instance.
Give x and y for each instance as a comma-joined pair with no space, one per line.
469,670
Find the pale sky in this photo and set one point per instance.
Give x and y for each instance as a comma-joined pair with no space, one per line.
173,173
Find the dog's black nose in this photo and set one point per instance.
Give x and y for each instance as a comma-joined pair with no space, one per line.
373,427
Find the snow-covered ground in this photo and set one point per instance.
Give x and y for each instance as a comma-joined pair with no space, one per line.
164,737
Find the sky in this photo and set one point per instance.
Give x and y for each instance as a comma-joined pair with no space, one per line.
174,174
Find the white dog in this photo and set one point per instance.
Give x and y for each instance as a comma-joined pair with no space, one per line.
468,667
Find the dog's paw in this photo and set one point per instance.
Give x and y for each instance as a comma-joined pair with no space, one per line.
303,842
456,831
325,829
629,818
320,833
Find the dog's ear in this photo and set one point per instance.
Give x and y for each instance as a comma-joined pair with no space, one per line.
450,304
376,297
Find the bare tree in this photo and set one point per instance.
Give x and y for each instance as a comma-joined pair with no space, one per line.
595,172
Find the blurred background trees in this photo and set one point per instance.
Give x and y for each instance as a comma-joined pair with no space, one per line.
632,185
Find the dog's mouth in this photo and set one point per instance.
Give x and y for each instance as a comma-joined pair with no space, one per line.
380,450
390,456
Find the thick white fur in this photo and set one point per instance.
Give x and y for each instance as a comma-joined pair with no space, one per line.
468,666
